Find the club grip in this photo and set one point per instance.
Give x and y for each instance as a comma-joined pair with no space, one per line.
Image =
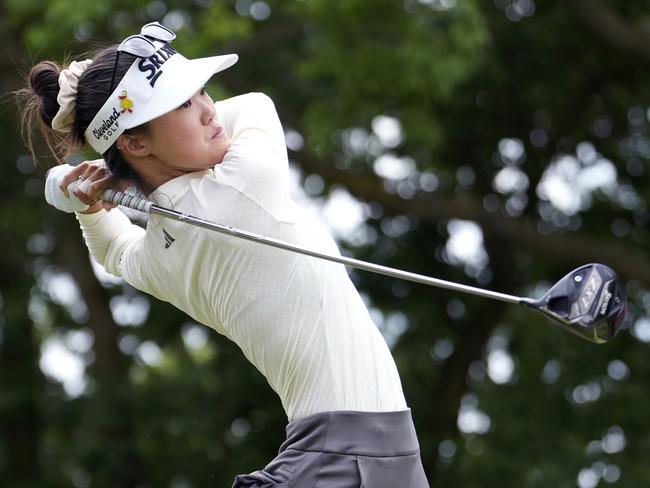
131,201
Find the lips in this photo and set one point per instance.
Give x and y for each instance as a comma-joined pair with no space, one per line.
218,131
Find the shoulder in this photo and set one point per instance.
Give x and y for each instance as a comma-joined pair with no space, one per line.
257,101
253,110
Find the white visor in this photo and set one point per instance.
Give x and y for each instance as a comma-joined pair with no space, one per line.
150,88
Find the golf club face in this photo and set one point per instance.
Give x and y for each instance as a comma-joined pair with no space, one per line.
589,301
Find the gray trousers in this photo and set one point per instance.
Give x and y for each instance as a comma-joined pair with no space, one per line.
345,450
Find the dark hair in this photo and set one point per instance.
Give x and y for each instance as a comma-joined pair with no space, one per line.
38,106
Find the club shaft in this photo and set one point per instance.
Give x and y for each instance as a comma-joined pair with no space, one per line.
142,205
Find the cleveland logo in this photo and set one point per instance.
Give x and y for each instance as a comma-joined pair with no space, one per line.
106,129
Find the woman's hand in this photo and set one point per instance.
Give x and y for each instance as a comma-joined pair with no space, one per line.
95,177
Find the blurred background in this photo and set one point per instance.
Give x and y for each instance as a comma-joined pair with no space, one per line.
497,143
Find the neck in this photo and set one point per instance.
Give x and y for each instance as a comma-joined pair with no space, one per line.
154,173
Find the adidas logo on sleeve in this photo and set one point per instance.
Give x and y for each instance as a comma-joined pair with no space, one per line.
169,240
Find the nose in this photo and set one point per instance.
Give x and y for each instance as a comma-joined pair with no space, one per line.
207,110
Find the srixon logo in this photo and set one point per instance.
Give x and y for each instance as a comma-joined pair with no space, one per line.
153,64
606,299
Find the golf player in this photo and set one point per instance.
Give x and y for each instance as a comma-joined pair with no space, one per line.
143,107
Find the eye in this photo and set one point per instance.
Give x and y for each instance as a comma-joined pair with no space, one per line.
188,104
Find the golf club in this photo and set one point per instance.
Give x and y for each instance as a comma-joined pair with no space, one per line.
589,301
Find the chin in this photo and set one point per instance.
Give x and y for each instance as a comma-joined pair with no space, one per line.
219,158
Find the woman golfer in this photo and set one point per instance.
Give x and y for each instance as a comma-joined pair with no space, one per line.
300,321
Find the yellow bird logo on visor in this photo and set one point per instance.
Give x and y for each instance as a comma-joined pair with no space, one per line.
126,104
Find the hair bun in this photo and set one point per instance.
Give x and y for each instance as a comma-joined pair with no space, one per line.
44,81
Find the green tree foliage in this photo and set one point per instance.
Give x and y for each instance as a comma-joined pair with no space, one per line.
520,125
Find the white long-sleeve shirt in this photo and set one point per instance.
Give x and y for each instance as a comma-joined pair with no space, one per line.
298,319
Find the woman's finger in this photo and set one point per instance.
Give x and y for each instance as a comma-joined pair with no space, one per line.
82,190
97,186
108,206
82,170
70,177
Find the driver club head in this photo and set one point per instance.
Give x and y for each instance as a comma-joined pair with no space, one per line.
590,301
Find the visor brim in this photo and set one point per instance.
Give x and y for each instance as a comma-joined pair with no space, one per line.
180,84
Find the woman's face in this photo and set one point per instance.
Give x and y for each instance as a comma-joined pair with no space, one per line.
189,137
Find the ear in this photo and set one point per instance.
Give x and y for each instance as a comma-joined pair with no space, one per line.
134,145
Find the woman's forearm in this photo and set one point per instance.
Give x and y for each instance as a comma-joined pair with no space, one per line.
107,235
